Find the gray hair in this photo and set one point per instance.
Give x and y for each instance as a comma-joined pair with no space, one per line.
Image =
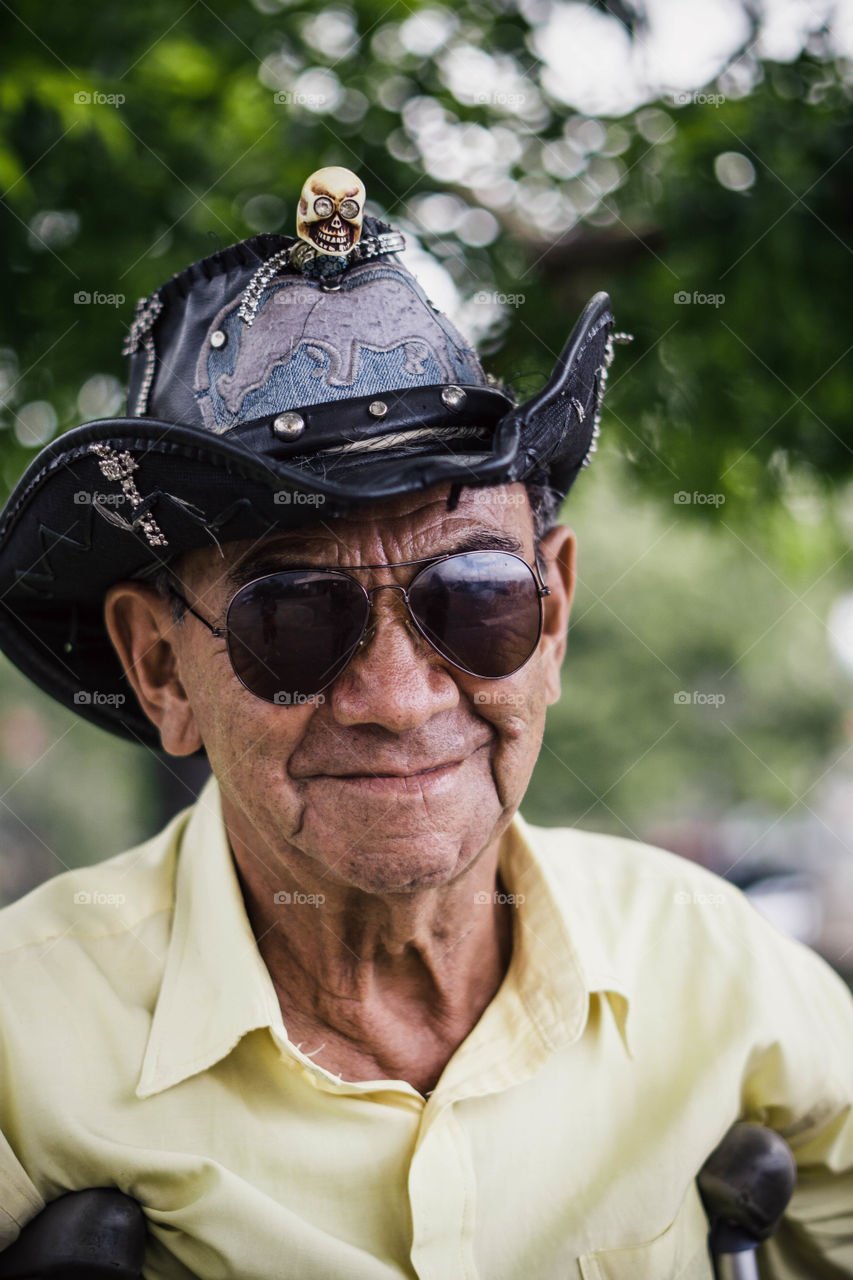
161,576
544,506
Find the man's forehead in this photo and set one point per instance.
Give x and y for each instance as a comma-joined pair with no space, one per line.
497,517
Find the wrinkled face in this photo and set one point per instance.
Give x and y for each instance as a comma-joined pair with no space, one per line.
306,783
331,210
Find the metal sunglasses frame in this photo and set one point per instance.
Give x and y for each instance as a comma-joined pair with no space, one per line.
345,571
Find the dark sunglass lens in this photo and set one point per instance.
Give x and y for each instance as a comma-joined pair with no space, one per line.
481,610
291,634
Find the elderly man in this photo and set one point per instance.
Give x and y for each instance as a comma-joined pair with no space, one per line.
350,1015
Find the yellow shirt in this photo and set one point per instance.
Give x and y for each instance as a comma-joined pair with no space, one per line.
647,1006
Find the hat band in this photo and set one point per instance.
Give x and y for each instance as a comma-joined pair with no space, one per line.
375,421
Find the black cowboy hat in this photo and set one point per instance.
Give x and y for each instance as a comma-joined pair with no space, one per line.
270,384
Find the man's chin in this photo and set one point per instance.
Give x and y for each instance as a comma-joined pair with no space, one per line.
402,862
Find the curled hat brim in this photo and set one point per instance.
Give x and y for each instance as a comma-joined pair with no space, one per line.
111,498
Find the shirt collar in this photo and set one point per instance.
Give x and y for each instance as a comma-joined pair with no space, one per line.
566,953
216,987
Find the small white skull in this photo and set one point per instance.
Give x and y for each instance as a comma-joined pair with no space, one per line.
331,210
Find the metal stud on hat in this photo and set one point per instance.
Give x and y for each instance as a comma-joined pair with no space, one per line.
289,425
453,397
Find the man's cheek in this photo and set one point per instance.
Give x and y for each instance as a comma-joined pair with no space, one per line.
510,709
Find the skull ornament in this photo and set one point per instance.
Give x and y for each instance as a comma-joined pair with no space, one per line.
331,210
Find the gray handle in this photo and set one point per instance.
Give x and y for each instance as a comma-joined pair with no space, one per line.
736,1266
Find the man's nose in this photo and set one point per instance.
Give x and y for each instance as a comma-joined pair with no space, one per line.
395,677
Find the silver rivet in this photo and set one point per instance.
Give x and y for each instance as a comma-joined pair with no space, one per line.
453,397
289,425
378,408
218,338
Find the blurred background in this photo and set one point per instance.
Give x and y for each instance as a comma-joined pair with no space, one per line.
692,157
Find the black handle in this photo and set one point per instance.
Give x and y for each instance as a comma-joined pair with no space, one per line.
83,1235
745,1185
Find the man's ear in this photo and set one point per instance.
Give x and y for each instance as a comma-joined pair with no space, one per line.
556,554
143,634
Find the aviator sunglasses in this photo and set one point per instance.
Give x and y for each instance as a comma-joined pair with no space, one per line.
290,634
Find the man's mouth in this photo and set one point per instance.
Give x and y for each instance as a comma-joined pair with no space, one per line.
399,779
401,773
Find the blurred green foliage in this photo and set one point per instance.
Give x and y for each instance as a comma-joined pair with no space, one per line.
699,676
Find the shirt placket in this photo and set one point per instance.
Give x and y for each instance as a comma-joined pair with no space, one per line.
442,1193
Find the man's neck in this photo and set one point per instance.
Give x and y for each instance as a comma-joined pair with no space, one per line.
386,987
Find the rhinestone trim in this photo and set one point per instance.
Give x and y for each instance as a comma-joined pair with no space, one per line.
120,467
139,335
602,384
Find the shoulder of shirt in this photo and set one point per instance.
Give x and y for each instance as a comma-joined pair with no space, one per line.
97,901
617,893
600,858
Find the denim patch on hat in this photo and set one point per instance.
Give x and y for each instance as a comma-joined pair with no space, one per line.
376,333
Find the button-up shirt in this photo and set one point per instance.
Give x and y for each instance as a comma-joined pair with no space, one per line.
646,1007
